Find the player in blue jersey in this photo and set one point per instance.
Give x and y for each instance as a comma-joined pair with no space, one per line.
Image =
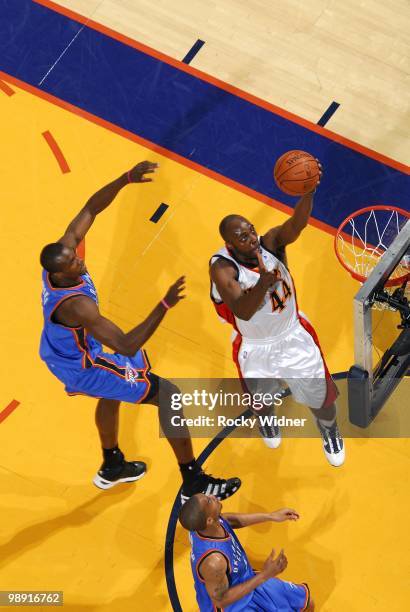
224,579
71,346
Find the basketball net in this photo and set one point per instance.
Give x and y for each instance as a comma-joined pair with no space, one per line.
364,237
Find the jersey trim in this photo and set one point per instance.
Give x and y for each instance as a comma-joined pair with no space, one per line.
149,385
279,254
67,297
240,263
234,264
106,364
80,337
147,361
145,375
307,600
226,314
205,555
225,538
63,288
236,347
73,393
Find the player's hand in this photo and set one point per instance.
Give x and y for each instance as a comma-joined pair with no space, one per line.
173,295
320,176
136,174
284,514
267,279
272,567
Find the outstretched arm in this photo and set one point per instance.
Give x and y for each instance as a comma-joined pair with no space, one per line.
238,520
80,225
82,311
290,231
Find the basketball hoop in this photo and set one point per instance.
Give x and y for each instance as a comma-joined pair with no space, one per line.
363,238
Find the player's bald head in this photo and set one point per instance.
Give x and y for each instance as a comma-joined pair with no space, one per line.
192,515
229,224
53,257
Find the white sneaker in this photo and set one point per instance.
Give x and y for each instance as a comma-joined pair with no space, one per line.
271,435
333,445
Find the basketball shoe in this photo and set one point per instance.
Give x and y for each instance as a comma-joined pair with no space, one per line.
207,484
126,471
270,434
333,445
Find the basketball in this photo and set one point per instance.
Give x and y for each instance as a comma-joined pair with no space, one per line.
296,172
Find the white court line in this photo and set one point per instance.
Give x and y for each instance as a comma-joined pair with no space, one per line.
176,206
69,44
160,231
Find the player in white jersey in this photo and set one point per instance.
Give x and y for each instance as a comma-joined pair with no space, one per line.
252,289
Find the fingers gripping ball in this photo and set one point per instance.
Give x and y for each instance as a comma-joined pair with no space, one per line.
296,172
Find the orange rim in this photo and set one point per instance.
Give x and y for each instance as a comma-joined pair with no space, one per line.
341,234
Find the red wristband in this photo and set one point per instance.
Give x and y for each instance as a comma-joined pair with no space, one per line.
165,305
129,176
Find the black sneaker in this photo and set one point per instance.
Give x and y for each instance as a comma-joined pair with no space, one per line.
127,471
207,484
333,445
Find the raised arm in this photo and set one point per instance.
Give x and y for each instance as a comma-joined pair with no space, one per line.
214,572
80,225
238,520
290,231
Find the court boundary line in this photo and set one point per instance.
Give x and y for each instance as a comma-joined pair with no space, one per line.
112,127
173,517
240,93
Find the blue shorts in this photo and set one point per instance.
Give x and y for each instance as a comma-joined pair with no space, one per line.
112,376
276,595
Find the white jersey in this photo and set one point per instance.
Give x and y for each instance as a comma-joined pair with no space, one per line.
277,313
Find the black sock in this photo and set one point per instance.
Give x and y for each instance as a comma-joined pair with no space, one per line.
113,457
189,470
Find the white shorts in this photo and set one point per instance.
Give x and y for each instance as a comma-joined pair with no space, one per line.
294,358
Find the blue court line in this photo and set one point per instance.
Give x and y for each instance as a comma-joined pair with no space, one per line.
159,212
185,114
328,113
176,507
193,51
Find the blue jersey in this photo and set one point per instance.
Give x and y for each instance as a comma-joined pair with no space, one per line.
239,569
77,359
273,595
62,346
